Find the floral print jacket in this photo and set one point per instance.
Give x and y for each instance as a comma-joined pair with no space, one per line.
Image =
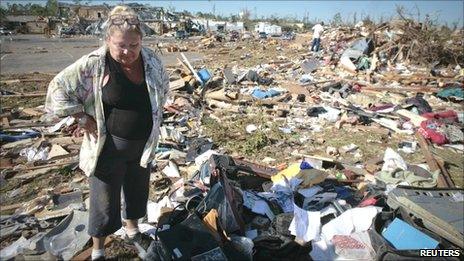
78,88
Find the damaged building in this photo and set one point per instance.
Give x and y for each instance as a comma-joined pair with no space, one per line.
27,23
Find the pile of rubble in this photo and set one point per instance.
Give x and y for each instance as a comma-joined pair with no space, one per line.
268,152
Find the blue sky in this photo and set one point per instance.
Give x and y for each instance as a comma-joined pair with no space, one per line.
446,11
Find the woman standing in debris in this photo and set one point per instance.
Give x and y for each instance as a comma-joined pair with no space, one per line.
117,94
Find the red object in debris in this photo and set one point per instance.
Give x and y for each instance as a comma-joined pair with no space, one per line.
281,166
350,175
368,202
444,115
356,87
429,129
172,109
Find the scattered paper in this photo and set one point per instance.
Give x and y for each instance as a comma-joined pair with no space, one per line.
305,225
352,220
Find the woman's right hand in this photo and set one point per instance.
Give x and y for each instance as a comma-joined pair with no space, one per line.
85,124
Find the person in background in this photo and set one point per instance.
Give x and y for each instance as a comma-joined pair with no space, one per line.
116,94
317,32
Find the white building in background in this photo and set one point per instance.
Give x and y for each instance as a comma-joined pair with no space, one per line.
211,25
237,26
272,30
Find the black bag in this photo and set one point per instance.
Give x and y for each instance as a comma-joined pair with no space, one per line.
385,251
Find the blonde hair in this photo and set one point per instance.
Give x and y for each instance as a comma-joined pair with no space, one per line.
125,27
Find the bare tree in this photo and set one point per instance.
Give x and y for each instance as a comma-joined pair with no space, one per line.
245,14
337,19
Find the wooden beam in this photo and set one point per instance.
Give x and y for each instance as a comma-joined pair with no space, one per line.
443,180
11,207
30,95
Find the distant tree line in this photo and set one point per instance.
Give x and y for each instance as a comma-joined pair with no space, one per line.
49,9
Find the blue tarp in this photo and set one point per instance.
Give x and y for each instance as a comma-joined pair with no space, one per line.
11,136
262,94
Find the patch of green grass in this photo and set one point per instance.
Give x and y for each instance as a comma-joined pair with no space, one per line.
231,134
255,143
65,172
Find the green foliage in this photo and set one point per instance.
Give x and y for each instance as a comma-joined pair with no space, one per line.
233,18
255,142
52,7
3,12
36,9
65,171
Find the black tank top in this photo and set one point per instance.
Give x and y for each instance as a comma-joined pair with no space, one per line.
126,105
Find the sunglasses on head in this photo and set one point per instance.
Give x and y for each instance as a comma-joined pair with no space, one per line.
120,19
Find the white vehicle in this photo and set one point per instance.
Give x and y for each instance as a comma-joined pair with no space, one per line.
4,31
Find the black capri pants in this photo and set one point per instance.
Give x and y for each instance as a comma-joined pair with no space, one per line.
118,166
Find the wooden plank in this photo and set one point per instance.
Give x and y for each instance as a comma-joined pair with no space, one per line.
177,84
5,123
414,118
31,125
369,87
54,164
401,89
24,80
30,95
442,182
11,207
32,112
441,165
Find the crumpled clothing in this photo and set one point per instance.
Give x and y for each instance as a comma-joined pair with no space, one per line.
350,221
430,129
382,107
305,225
306,79
347,242
311,177
271,247
448,116
392,160
253,76
344,91
451,92
420,103
363,63
257,204
358,48
260,94
315,111
356,246
397,176
453,133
